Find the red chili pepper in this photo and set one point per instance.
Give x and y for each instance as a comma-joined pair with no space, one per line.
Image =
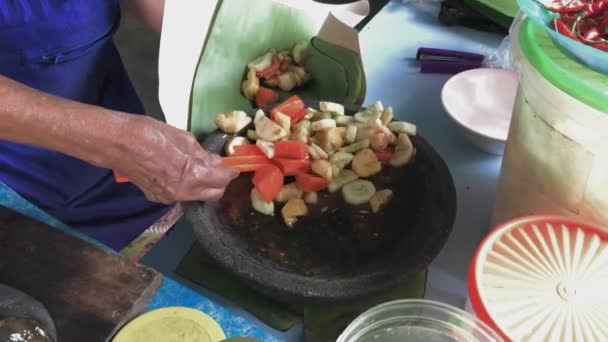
563,29
566,6
591,34
594,7
601,46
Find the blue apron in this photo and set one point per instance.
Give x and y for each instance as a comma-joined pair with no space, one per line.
64,47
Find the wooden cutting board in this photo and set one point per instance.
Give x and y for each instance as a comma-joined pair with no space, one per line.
89,292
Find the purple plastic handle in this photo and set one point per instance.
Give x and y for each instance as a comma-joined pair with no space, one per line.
442,67
449,53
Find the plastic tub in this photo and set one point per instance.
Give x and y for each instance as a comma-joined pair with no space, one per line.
556,154
417,320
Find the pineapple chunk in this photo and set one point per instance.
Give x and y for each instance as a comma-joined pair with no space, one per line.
232,122
330,140
293,209
322,168
366,164
269,130
380,199
283,120
289,191
266,147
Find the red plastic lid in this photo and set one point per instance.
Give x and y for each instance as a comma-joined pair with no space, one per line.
543,278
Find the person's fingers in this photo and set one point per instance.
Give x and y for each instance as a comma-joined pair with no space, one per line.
204,194
217,177
215,160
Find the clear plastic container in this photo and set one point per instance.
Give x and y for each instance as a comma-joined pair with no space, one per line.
417,320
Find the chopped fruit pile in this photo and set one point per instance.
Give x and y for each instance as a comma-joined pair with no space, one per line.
282,70
323,150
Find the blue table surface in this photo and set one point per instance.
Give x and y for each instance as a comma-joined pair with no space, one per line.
388,44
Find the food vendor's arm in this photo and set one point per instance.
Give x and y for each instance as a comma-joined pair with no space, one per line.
150,11
168,164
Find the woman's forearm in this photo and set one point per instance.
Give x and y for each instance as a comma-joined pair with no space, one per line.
150,11
82,131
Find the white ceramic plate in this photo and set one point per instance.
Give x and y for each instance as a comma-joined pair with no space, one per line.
481,102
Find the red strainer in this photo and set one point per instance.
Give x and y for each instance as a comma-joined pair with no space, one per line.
543,278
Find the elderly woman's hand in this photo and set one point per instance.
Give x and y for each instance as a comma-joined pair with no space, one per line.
168,164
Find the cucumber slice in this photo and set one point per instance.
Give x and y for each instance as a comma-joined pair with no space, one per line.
321,116
252,135
261,62
304,124
345,177
404,151
372,112
331,107
356,147
299,52
351,134
358,192
323,124
344,120
316,152
402,127
387,116
261,206
341,159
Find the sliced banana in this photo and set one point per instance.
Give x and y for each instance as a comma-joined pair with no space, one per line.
358,192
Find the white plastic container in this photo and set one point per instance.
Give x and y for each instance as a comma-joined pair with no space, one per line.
556,156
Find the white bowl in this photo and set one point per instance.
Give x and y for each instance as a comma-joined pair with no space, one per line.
481,102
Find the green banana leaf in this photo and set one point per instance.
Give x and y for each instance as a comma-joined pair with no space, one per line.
244,30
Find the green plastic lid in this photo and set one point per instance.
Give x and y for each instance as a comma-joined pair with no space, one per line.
572,77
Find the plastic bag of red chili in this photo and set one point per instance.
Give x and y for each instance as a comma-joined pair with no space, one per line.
580,27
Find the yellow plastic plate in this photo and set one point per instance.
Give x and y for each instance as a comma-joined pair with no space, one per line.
171,324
